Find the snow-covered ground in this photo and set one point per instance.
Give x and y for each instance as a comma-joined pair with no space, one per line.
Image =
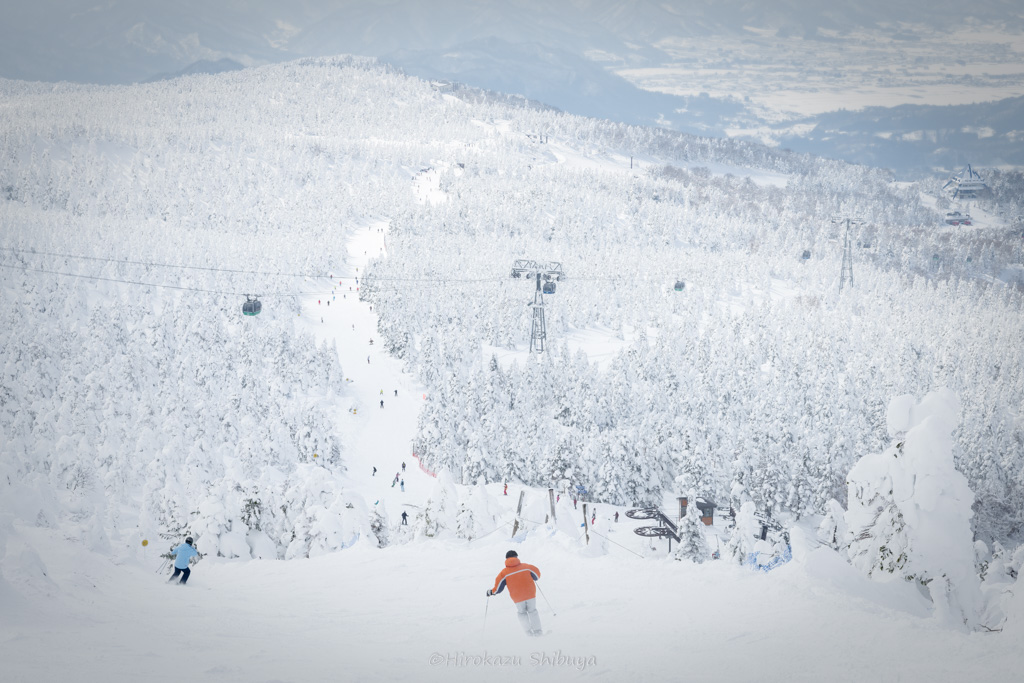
614,611
419,612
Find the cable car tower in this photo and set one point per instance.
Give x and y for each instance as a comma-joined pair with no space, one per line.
546,275
846,270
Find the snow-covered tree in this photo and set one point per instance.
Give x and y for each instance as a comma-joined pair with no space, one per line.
440,512
380,525
478,513
910,509
833,531
744,535
693,538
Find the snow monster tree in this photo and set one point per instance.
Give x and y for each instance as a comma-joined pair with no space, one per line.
910,509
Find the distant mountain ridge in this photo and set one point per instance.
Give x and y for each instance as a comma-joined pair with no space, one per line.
122,41
563,80
917,138
203,66
542,51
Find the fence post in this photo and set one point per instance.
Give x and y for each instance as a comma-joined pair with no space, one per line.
586,524
519,509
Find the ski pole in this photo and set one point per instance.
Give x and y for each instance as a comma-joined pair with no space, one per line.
553,612
486,606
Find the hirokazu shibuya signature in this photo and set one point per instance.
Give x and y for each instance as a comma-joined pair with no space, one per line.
556,659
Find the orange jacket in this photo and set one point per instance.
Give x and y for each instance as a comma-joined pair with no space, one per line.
519,578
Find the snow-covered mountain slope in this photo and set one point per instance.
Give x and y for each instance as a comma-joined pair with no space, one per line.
256,194
137,403
757,70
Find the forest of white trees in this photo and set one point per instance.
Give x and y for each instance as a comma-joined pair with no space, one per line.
757,383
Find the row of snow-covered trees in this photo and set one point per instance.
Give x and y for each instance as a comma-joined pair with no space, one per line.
135,399
757,374
165,414
782,399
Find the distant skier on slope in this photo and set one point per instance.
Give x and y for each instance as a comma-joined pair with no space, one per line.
405,518
183,553
521,581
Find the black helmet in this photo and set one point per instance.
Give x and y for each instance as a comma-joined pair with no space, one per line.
511,553
188,539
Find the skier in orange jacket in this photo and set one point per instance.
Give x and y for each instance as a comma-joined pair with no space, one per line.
520,578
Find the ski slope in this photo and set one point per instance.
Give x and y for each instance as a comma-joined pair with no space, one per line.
378,437
615,610
417,612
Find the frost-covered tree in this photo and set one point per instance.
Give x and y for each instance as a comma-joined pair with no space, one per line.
380,525
478,514
440,513
910,509
693,538
744,535
833,531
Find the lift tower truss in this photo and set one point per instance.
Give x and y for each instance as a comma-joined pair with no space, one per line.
846,270
545,275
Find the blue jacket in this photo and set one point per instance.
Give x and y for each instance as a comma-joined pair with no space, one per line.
184,552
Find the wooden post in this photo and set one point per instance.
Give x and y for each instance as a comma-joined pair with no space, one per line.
586,524
551,499
519,509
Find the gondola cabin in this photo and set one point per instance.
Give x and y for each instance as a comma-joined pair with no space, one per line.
806,255
549,287
680,285
251,306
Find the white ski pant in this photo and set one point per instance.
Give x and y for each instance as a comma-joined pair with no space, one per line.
528,615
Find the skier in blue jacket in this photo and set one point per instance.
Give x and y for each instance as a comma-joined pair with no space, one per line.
183,553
